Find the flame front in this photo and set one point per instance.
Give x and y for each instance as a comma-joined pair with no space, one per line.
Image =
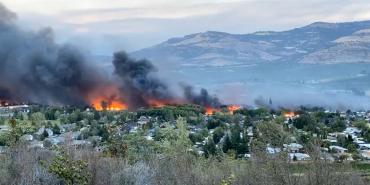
101,103
289,114
209,111
108,98
233,108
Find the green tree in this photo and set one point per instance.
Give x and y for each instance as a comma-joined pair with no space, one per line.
15,132
226,145
210,148
37,117
339,125
271,133
305,121
218,134
72,172
44,135
56,129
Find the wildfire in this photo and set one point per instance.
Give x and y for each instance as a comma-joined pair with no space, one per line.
230,109
289,114
160,103
233,108
3,103
111,105
209,111
107,98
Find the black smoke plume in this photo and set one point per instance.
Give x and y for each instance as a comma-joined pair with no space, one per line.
137,82
33,68
203,98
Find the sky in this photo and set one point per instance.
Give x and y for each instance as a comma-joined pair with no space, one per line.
104,26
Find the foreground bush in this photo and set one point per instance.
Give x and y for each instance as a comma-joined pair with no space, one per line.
41,167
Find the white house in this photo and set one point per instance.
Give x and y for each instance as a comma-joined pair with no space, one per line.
338,149
293,147
364,146
299,156
271,150
365,154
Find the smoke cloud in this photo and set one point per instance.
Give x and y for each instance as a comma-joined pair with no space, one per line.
137,83
33,68
203,99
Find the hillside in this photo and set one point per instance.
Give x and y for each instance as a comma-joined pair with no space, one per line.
320,42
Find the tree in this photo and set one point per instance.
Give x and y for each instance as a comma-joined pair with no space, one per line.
72,172
339,125
210,148
352,148
15,132
56,129
235,136
37,117
116,146
305,121
195,137
271,133
226,145
213,123
248,121
342,140
44,135
218,134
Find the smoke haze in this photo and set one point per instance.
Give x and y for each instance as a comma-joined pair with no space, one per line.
33,68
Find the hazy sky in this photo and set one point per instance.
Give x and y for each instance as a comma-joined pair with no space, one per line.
107,25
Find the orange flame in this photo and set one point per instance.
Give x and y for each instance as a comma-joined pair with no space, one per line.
157,103
289,114
209,111
110,105
107,98
233,108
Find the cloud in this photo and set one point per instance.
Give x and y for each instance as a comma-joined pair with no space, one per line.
142,23
121,14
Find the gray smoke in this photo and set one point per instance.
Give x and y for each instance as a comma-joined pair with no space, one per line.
203,98
137,82
33,68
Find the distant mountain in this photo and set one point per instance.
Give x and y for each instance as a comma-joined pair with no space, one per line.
317,43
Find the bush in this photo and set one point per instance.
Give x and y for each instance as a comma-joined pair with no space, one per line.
69,170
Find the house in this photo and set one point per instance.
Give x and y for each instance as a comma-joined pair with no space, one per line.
293,147
365,154
250,131
353,131
27,137
2,149
359,140
143,120
343,156
271,150
80,143
336,134
331,140
247,156
36,144
149,138
4,128
67,127
299,157
338,149
364,146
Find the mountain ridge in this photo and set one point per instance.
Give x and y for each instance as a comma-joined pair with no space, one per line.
318,42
